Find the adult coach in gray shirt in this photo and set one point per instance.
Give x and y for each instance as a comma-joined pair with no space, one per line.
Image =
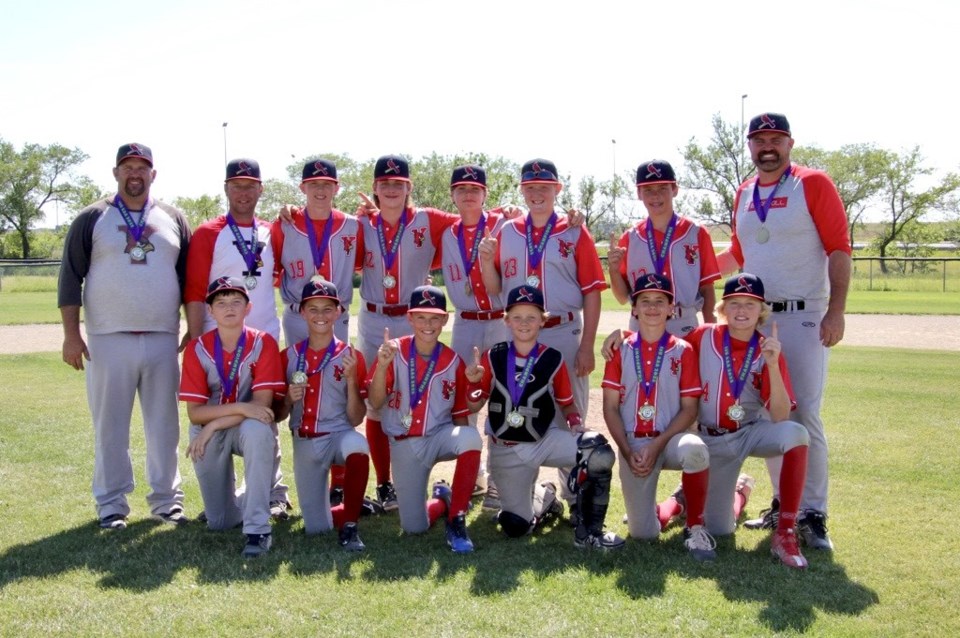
124,262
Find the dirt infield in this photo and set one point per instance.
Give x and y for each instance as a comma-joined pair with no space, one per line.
923,332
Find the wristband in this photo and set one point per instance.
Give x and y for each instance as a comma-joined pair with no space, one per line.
475,392
573,420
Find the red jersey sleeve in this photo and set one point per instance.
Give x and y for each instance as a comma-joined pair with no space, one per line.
276,242
624,243
562,390
827,212
267,371
589,271
735,249
200,260
709,269
486,383
361,373
613,372
193,379
690,385
460,408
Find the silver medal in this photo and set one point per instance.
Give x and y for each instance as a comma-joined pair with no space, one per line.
515,419
406,421
299,377
533,281
763,235
647,412
250,282
389,281
736,412
137,253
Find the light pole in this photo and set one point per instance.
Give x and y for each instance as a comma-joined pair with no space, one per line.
225,143
614,187
743,130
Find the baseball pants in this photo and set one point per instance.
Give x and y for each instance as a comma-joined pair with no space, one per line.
312,459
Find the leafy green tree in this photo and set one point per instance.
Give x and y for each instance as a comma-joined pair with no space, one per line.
199,209
29,180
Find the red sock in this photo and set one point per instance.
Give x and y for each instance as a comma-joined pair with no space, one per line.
356,470
435,509
695,492
379,450
464,478
793,474
339,516
336,476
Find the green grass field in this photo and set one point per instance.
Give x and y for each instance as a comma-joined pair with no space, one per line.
896,570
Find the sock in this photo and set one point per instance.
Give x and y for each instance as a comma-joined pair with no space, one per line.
464,477
435,509
739,502
379,450
336,476
356,473
695,491
793,474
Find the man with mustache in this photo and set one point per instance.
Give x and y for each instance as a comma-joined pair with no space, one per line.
790,229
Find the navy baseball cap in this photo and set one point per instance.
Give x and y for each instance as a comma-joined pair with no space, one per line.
527,295
243,169
469,174
652,282
391,167
769,123
743,285
320,169
539,170
226,284
135,151
428,299
319,288
655,172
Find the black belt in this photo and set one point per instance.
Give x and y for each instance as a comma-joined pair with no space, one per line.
787,306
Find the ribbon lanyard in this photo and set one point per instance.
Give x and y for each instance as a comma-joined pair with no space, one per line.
417,387
227,381
738,383
302,357
135,228
651,383
535,252
516,386
470,259
659,259
764,208
390,254
248,253
318,250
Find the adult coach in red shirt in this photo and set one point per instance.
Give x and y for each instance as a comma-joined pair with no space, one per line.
790,229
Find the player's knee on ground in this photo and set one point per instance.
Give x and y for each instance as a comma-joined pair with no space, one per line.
694,455
512,525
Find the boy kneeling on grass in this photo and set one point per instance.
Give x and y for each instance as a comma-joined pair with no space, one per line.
325,404
525,382
230,378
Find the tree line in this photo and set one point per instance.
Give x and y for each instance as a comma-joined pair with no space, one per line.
897,187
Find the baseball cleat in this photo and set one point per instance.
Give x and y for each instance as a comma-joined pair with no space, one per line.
491,501
783,547
370,507
350,538
280,510
257,545
699,543
114,522
174,517
387,497
768,517
813,530
597,540
457,537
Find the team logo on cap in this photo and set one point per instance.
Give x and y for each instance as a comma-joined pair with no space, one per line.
392,167
428,299
766,122
135,150
653,171
243,168
526,295
470,173
222,281
536,167
320,169
743,285
653,282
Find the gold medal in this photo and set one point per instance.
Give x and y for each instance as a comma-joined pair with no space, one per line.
299,377
763,235
736,412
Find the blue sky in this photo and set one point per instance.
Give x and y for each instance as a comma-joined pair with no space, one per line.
550,79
